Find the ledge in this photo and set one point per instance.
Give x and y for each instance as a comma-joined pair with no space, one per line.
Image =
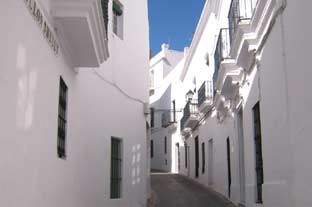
81,30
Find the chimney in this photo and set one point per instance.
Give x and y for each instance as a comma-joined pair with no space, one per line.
164,47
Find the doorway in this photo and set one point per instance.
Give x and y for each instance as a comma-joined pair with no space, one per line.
210,162
196,157
229,165
178,156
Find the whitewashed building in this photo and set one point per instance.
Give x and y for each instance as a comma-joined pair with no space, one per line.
73,127
165,70
246,127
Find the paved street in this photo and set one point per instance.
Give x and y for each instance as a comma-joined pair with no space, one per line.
176,191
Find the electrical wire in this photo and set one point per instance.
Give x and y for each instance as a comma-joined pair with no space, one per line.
118,88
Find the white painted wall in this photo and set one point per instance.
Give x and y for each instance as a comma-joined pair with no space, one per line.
31,173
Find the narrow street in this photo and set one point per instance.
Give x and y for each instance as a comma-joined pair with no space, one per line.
174,190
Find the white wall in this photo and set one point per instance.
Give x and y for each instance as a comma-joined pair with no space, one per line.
31,173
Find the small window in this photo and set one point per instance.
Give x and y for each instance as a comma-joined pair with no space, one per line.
116,168
152,117
118,19
62,120
152,148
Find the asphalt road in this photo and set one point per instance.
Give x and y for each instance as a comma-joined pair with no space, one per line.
177,191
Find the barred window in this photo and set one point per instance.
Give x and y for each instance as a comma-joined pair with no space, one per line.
258,152
116,168
62,120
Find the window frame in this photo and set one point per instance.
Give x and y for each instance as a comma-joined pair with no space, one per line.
259,174
62,119
117,19
119,160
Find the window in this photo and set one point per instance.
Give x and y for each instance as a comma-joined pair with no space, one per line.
203,158
152,148
165,145
152,117
118,18
185,153
62,120
258,152
116,168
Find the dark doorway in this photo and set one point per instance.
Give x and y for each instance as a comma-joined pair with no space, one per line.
178,151
229,165
196,157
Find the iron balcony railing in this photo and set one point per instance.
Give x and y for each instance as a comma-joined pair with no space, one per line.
222,51
205,92
191,108
168,118
240,11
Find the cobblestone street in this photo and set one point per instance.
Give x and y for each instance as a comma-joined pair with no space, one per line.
173,190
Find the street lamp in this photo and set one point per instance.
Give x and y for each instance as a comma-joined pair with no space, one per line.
189,95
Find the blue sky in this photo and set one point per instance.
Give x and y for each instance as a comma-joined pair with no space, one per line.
173,22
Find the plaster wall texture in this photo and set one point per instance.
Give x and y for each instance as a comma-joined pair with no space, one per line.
31,172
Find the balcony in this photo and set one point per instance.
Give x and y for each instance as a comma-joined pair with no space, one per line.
82,29
222,52
241,12
190,116
168,119
205,96
227,73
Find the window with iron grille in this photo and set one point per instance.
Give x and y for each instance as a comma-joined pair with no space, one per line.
62,120
203,158
152,117
258,152
116,168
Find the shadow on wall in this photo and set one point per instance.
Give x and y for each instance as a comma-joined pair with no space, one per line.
135,166
26,88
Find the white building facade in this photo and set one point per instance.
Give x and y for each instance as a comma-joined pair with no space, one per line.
72,121
245,129
165,70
